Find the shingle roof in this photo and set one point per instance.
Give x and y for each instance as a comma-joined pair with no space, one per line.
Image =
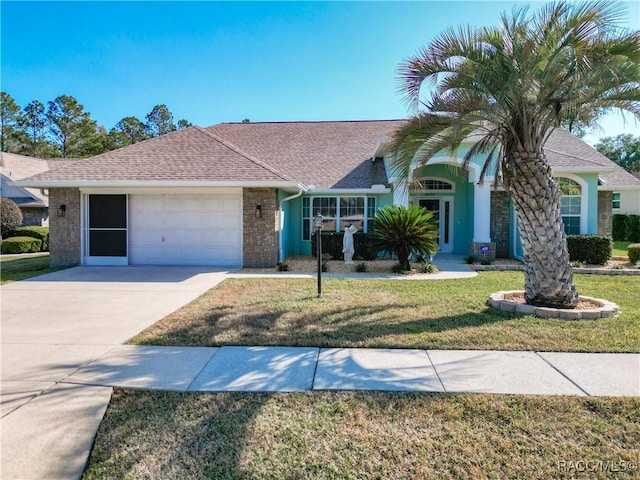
192,154
324,154
18,167
568,152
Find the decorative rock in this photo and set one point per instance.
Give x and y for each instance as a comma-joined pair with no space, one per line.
605,309
526,309
569,314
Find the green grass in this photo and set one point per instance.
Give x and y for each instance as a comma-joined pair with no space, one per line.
443,314
365,435
620,249
13,268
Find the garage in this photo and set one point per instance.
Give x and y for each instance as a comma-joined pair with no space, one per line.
203,229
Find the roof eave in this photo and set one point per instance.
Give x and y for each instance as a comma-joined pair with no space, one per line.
281,184
581,169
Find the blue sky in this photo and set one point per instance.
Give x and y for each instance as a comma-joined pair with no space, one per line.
213,62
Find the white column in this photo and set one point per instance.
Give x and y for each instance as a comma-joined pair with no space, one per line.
401,193
482,212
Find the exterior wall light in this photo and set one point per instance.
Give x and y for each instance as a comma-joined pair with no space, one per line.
62,210
258,211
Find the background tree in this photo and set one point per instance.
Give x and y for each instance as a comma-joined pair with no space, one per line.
510,86
9,116
33,123
160,121
623,149
71,127
128,131
182,124
404,231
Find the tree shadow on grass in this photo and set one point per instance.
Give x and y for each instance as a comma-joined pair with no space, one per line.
376,326
173,435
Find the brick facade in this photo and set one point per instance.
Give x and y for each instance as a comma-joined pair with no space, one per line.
605,213
500,219
260,235
64,232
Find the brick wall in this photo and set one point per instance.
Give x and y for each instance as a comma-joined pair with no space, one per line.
64,232
499,229
260,235
605,213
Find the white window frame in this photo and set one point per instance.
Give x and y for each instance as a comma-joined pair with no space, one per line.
614,201
583,200
338,217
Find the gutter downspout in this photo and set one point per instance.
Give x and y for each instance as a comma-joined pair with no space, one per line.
301,190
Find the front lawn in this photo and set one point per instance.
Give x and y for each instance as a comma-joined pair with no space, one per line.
620,249
432,314
19,267
365,435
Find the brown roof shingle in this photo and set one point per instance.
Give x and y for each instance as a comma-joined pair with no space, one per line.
192,154
324,154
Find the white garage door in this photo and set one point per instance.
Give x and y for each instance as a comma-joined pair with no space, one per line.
185,229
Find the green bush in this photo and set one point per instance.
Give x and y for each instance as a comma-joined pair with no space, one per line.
41,233
592,249
332,246
21,245
10,216
405,231
619,230
632,228
633,251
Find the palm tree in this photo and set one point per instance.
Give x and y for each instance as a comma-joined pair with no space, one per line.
404,231
505,89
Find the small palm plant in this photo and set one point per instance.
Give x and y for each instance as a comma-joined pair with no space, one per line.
404,231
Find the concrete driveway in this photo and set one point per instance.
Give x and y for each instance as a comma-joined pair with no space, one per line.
53,325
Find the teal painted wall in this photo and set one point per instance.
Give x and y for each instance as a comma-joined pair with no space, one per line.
292,234
462,203
591,193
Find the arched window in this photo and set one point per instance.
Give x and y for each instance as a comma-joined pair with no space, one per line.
570,205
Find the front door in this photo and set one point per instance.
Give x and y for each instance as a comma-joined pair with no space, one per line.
441,207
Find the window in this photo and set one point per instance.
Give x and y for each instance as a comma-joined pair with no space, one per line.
570,205
616,200
432,184
338,212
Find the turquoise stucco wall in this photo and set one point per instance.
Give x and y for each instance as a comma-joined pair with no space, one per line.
462,202
591,193
292,232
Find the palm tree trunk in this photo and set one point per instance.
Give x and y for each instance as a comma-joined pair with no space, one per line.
547,271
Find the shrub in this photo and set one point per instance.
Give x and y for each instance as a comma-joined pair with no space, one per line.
633,251
21,245
10,216
632,228
428,267
619,227
398,268
282,267
470,260
592,249
332,245
404,231
360,267
41,233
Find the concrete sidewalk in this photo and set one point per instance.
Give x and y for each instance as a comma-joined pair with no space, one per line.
301,369
62,353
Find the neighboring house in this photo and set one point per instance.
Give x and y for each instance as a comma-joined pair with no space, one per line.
33,202
246,194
